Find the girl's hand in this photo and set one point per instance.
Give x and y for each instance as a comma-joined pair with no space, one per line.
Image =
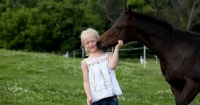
119,45
89,101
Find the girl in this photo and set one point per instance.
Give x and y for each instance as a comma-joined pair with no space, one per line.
100,83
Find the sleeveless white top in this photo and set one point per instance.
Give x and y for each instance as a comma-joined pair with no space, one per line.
103,82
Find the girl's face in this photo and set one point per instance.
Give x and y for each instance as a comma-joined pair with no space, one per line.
90,43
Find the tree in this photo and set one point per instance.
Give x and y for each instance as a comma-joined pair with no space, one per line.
112,9
194,14
181,13
49,25
140,6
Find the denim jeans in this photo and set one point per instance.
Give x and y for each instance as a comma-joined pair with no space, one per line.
107,101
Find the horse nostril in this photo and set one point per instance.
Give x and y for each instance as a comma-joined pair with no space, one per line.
99,44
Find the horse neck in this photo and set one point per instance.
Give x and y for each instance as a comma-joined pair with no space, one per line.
157,38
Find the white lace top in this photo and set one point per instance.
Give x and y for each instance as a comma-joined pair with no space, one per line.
103,82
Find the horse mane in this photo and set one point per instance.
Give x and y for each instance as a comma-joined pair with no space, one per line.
187,35
177,33
155,20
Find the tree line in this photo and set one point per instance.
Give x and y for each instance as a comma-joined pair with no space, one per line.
55,25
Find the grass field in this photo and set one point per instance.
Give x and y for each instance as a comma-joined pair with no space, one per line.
48,79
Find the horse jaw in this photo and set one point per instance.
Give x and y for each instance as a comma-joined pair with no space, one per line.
105,45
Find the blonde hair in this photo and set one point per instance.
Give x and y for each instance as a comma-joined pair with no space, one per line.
86,32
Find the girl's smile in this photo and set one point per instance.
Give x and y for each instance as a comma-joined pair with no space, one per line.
90,43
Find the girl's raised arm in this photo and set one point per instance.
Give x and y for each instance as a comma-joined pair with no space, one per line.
113,58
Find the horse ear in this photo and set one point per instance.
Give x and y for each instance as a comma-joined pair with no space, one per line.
125,7
129,9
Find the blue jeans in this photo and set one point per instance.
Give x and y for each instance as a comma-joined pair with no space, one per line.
107,101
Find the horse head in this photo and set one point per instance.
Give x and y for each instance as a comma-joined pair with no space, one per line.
122,29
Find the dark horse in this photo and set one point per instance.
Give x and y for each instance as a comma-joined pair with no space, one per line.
177,50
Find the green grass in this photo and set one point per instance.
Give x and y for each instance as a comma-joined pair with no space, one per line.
48,79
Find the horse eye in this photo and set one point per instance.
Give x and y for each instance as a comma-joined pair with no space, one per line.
126,13
118,27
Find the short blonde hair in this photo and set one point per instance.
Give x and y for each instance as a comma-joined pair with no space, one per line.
86,32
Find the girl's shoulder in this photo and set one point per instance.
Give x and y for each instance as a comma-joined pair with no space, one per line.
84,62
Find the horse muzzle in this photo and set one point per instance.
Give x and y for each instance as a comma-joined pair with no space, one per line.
102,45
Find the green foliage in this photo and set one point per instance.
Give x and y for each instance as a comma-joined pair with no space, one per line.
93,15
136,3
46,26
140,6
64,23
148,9
22,30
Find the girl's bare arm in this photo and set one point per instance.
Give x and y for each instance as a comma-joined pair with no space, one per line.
86,83
113,58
